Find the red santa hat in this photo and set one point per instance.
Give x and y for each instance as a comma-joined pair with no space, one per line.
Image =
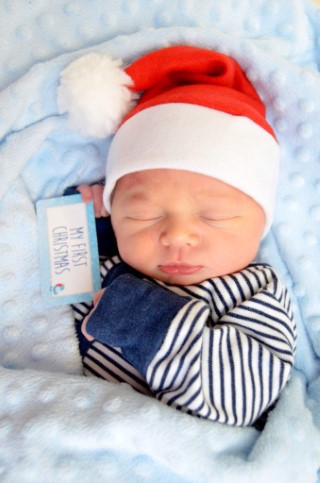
178,108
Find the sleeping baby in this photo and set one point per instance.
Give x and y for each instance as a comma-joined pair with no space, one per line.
185,315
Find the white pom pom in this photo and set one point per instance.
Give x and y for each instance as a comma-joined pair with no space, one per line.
95,91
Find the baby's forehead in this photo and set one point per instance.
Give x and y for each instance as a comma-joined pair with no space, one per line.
132,180
147,181
164,184
151,178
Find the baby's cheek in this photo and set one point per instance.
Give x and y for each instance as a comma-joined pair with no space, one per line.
124,251
247,250
129,247
135,259
137,251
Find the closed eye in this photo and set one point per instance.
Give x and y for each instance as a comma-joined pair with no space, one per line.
223,220
218,218
144,217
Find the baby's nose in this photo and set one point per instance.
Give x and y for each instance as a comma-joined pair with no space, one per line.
179,235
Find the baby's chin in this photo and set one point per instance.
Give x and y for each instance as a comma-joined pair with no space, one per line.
184,283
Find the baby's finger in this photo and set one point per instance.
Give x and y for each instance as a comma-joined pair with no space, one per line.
86,192
104,212
99,209
84,329
96,299
97,296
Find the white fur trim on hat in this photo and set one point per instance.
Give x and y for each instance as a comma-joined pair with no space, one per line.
194,138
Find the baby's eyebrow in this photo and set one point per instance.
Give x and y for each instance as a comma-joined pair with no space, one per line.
138,196
217,197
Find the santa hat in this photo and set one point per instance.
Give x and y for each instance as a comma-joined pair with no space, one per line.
178,108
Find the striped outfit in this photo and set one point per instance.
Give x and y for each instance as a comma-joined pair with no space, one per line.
222,349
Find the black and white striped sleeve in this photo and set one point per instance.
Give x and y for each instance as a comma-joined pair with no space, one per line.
225,355
233,368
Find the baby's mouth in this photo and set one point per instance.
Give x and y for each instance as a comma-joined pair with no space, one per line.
180,269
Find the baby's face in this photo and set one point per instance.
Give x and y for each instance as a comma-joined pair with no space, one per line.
183,228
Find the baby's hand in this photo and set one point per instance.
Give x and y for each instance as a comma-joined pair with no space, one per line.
96,299
94,193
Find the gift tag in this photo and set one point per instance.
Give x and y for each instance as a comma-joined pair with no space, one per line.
69,259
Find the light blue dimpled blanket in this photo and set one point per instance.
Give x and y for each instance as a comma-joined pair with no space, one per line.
55,424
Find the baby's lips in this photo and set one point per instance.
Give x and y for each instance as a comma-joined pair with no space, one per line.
180,269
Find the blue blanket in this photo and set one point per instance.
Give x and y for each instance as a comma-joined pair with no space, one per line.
55,424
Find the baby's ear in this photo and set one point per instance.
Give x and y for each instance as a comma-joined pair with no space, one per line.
95,91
